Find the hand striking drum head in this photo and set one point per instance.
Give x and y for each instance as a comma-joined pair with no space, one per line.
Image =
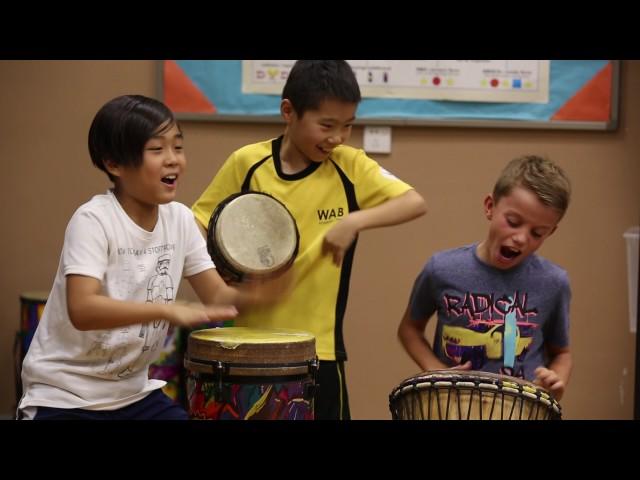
252,234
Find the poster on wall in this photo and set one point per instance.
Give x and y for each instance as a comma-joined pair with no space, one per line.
572,94
524,81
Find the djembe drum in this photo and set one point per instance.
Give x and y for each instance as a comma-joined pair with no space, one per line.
240,373
251,234
470,395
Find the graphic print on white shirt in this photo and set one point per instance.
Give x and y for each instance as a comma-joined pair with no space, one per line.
159,290
109,349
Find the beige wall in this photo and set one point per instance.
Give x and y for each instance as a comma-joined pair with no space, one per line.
47,107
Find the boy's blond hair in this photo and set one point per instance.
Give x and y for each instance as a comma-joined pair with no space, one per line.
543,177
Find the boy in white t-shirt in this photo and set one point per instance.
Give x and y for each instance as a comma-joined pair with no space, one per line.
114,294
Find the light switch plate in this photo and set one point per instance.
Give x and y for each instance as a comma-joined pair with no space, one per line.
377,139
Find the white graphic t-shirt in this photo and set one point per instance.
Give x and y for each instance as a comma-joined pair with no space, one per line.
108,369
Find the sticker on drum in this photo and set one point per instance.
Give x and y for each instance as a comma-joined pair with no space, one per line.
251,234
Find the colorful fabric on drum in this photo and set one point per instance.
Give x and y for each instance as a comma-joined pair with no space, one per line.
211,400
475,303
168,366
317,197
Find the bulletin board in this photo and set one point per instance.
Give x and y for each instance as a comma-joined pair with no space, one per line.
583,95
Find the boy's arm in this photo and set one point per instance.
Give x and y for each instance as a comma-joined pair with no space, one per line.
555,377
89,309
397,210
412,338
212,290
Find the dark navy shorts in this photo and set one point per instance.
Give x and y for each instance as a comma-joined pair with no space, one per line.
155,406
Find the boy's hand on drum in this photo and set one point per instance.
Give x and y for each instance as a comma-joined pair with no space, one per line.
186,314
463,366
339,238
550,380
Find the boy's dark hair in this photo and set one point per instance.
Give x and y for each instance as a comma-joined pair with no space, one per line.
543,177
122,127
310,82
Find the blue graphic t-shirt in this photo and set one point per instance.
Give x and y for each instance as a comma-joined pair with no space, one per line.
500,320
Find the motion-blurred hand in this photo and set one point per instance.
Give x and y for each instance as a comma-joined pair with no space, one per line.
338,240
463,366
266,291
551,381
186,314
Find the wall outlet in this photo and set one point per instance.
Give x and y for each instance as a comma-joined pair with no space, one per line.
377,139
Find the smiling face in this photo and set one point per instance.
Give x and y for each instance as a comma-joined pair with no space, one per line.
312,137
518,225
154,182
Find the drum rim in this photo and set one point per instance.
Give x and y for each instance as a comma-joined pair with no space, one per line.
35,295
460,375
292,349
478,377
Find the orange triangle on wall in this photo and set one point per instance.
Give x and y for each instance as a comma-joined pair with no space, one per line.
180,93
592,102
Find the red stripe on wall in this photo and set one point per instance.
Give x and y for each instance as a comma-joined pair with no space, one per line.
180,93
592,102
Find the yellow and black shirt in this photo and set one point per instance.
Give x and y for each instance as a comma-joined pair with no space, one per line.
317,197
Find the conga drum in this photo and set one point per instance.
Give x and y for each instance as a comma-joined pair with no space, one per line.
470,395
238,373
251,234
31,308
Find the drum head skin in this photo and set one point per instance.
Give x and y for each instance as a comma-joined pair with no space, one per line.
253,234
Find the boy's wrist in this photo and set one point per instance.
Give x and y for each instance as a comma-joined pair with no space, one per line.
164,312
355,220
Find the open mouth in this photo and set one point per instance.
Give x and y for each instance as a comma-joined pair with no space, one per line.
508,252
169,179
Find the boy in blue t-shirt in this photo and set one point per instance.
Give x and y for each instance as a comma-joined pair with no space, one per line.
501,308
